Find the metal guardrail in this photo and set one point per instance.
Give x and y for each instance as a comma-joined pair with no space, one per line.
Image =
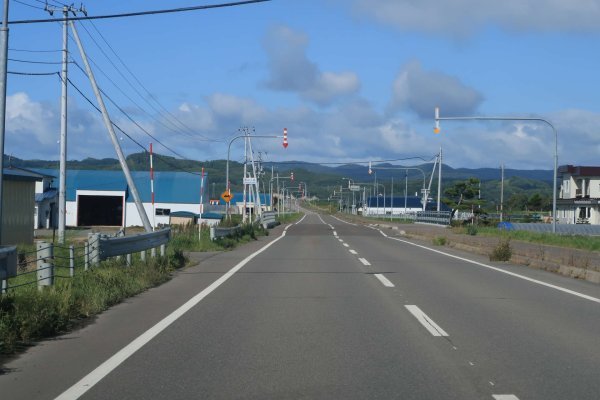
8,262
103,246
434,217
216,232
269,219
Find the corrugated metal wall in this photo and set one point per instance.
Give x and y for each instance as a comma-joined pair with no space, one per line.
18,207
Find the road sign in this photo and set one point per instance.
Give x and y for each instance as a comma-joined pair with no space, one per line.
354,188
226,196
249,181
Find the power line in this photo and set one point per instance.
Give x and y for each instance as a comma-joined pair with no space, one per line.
140,13
119,71
34,62
125,133
98,109
33,73
28,5
35,51
140,83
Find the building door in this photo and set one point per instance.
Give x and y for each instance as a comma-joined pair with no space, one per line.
99,210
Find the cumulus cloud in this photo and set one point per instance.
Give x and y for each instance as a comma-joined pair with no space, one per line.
421,91
290,70
460,17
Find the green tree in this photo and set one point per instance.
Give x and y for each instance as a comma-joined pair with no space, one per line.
518,202
463,195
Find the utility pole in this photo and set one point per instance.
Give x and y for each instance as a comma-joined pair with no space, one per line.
3,73
113,136
439,196
62,200
502,193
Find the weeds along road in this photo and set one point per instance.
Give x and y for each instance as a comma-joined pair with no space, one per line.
324,309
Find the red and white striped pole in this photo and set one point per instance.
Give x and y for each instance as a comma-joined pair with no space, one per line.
201,205
285,141
152,187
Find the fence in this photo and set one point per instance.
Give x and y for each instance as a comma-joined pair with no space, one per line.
562,229
434,217
51,261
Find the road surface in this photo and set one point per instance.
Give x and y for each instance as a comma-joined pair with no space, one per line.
324,309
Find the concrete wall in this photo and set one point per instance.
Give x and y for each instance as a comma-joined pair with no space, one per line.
18,208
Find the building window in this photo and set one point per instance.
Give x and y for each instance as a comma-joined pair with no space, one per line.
163,211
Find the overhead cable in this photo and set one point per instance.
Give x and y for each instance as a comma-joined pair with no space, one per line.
139,13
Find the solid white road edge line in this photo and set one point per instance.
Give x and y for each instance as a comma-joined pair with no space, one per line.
364,261
302,219
505,397
345,222
386,282
562,289
353,251
91,379
427,322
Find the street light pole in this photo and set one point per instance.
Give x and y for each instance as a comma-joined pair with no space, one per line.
3,81
554,216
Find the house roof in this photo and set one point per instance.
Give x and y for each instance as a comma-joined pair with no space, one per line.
574,170
21,174
169,187
48,194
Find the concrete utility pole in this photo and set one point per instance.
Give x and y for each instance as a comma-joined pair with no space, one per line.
62,182
439,196
3,73
113,136
502,193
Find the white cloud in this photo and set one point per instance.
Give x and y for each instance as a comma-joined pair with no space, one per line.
291,71
460,17
421,91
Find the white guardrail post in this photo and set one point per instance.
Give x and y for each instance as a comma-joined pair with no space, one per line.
8,265
45,264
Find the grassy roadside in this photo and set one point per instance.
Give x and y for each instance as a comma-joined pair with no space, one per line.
590,243
27,315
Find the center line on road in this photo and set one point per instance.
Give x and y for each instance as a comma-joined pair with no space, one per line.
386,282
427,322
364,261
346,245
353,251
334,233
341,240
505,397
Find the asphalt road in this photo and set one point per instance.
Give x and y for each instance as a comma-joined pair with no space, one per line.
331,310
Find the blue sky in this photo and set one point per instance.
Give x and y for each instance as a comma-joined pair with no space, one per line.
352,80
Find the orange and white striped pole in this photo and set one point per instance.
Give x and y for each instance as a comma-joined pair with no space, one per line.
152,187
285,141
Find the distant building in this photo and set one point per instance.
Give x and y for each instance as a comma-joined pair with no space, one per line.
379,205
579,197
102,198
18,205
46,203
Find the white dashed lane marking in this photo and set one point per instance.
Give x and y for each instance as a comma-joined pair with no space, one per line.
427,322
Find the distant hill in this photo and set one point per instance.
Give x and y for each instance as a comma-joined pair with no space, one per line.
321,179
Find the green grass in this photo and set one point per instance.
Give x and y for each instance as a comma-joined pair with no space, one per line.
590,243
27,314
